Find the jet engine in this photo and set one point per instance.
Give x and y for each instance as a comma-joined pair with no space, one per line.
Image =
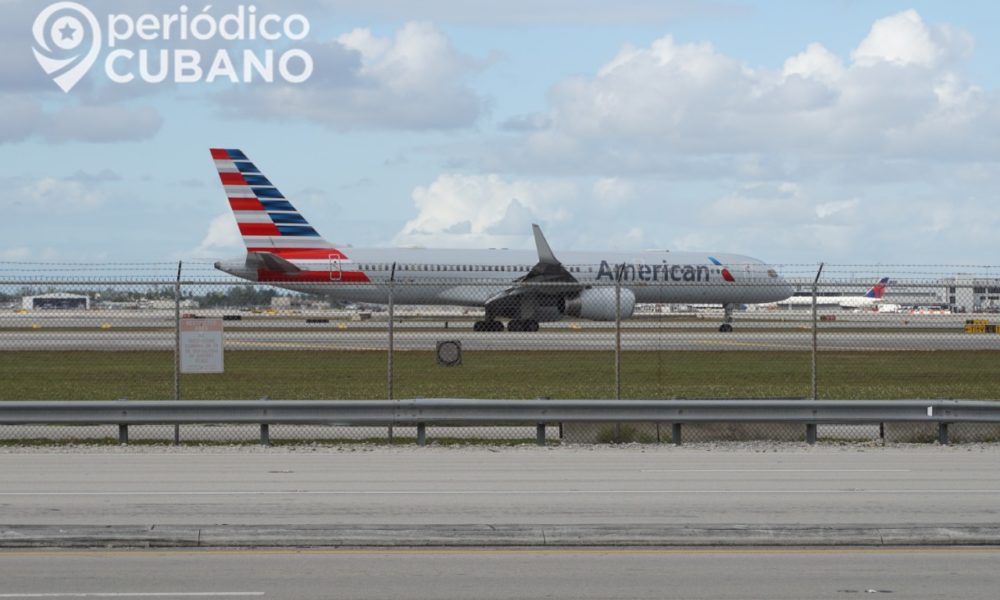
598,304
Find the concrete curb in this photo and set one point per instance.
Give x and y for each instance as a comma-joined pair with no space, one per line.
389,536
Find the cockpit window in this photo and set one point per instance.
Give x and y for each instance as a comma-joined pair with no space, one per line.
772,273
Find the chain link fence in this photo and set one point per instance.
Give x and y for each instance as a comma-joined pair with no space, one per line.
111,331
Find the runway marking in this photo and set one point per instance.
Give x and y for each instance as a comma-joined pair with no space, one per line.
788,346
492,492
775,470
318,345
795,551
134,595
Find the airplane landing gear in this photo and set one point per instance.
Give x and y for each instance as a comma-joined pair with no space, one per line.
490,325
727,319
522,325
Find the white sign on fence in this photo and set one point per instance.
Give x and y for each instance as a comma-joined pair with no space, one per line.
201,346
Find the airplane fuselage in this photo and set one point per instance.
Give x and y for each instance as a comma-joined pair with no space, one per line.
471,277
845,302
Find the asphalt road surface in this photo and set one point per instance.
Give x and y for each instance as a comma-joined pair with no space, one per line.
403,489
760,484
966,573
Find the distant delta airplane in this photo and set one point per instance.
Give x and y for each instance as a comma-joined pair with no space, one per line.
869,299
285,251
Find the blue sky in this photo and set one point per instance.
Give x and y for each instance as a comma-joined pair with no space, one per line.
850,132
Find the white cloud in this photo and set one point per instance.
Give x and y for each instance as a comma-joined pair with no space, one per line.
779,221
101,124
760,204
687,110
901,38
35,108
52,196
23,117
222,238
837,208
483,211
613,192
815,62
21,253
413,80
24,253
533,13
516,220
19,118
904,39
632,239
695,240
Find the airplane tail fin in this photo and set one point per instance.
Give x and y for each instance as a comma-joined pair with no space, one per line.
268,222
878,290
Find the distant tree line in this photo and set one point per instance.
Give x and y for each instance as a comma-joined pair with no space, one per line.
234,296
238,296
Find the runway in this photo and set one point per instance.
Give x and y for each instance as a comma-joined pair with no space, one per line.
347,330
151,319
793,574
583,340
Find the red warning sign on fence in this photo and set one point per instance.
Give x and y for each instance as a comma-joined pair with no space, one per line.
201,346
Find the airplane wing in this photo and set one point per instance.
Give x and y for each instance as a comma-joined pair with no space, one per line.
524,297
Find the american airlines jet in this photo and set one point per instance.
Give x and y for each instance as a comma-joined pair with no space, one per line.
523,287
869,300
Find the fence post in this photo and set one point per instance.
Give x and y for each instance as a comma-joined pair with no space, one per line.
177,346
391,349
815,291
618,334
811,433
618,345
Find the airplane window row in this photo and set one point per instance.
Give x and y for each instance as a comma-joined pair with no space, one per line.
492,268
454,268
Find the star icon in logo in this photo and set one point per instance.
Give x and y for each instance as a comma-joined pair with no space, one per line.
67,32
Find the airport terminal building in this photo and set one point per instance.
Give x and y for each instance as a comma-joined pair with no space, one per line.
55,301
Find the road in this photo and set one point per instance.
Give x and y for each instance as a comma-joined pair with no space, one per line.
758,485
794,574
407,495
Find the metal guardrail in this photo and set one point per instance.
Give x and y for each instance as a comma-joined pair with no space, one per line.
424,411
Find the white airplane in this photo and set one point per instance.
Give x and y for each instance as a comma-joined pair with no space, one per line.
523,287
870,299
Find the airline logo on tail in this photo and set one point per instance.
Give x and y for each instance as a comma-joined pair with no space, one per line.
267,220
878,291
274,232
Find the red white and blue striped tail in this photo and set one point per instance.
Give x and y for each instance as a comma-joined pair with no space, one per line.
268,222
878,291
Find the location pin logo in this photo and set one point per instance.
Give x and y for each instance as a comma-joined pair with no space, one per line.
62,32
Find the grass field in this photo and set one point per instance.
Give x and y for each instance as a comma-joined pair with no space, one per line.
361,375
